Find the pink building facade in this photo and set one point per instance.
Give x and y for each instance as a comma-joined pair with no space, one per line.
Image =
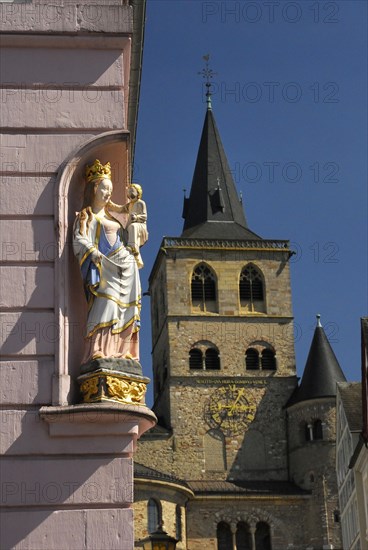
70,75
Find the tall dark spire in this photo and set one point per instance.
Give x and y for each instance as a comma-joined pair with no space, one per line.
213,209
322,370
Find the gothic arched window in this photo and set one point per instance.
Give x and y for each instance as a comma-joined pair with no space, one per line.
153,515
268,359
251,290
243,537
224,536
263,536
203,289
252,359
212,359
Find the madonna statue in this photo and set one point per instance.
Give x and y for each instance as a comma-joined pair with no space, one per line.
109,271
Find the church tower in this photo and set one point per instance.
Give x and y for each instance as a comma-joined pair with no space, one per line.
223,354
219,460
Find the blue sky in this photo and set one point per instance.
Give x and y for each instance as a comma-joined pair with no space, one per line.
290,101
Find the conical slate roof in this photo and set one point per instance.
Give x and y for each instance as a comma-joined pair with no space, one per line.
213,209
322,370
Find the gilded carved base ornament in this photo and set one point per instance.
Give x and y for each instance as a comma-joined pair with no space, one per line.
89,388
127,391
107,385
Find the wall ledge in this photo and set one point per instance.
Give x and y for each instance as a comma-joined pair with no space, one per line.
98,419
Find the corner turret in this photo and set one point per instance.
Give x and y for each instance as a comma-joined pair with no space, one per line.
311,413
322,370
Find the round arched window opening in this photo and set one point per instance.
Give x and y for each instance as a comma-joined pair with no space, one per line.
154,514
252,359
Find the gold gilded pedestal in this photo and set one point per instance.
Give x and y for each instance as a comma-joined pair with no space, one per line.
106,384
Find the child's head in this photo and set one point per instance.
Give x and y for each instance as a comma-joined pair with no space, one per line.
135,191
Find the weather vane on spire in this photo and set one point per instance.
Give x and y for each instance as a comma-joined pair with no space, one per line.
207,73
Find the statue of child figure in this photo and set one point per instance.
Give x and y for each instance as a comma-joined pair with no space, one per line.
137,221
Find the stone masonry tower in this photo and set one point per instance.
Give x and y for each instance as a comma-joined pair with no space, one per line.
223,355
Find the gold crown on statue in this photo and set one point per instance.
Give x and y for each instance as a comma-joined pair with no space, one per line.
98,171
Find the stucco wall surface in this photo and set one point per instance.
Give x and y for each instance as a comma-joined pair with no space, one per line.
65,70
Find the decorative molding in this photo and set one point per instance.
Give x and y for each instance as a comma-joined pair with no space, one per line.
98,419
251,517
260,244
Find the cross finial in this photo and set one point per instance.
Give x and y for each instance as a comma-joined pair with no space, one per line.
207,73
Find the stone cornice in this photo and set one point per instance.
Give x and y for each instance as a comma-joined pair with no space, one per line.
162,483
98,419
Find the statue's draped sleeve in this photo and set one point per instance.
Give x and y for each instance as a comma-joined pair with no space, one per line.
141,212
84,246
138,208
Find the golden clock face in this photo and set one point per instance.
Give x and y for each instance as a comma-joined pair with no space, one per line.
230,410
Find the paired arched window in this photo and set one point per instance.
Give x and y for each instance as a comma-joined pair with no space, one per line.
202,357
264,360
204,289
243,537
154,515
251,290
313,430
